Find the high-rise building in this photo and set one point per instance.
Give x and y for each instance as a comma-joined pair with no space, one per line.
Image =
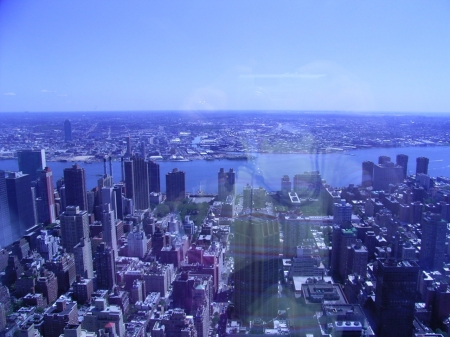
402,160
128,152
395,297
367,173
254,198
295,231
74,227
75,186
422,165
286,185
342,213
59,315
343,238
128,169
256,254
105,267
109,227
141,184
153,176
6,231
383,160
67,130
119,195
31,162
137,182
46,197
385,175
20,203
307,184
433,243
226,183
175,185
83,258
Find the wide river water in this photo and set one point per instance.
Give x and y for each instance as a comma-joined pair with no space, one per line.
266,170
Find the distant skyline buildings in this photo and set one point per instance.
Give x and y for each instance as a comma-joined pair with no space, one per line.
67,130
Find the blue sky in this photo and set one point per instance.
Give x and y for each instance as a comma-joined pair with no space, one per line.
67,55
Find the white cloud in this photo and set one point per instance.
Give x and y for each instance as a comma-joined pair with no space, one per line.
47,91
9,94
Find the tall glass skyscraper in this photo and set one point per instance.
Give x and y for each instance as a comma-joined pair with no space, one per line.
31,162
20,202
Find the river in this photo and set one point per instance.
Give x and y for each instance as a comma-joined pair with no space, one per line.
266,170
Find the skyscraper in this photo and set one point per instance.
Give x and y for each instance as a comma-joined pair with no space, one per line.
367,173
395,297
109,227
137,182
67,130
402,160
74,227
20,203
83,258
422,165
31,162
226,183
256,249
175,185
383,160
129,152
6,234
105,266
128,168
433,243
46,197
75,186
342,213
141,183
153,176
386,174
286,185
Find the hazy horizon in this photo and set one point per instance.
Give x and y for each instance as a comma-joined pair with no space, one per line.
199,56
